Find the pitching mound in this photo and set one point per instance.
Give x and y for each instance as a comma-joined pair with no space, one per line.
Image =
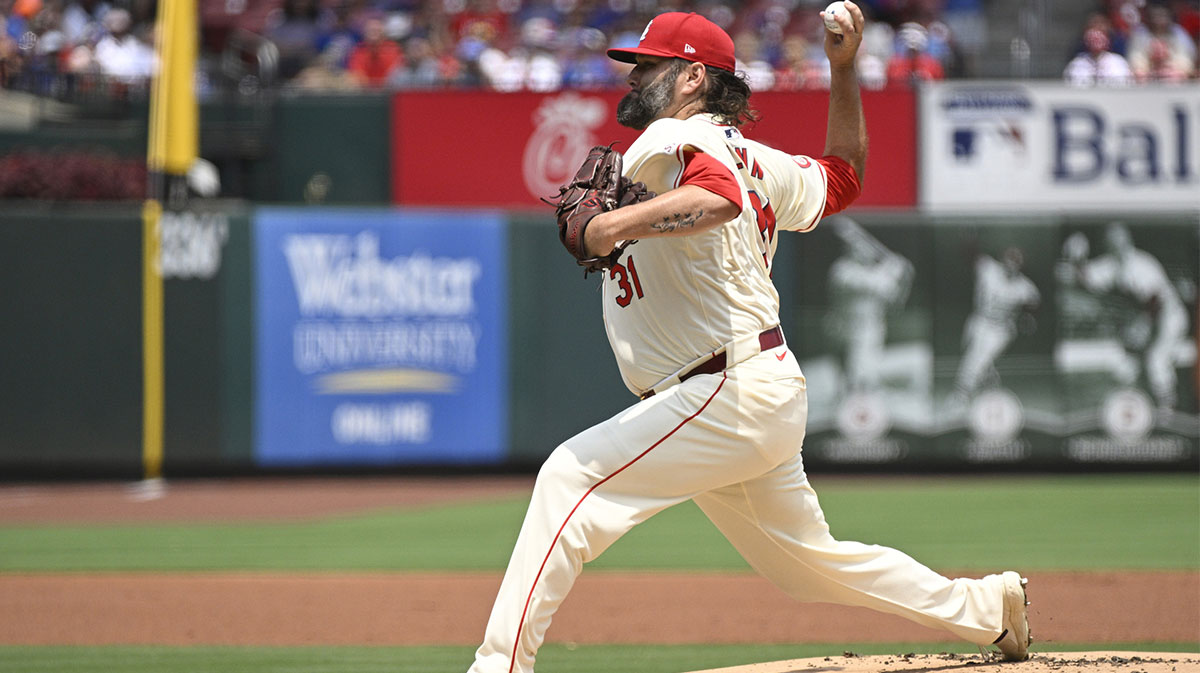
1053,662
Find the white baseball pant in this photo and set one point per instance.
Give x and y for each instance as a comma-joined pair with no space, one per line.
731,442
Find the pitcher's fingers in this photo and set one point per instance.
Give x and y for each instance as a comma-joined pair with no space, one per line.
854,17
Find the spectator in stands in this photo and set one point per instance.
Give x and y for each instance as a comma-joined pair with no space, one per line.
43,66
887,11
1187,15
121,54
1097,66
505,44
939,43
326,73
42,45
748,50
912,63
293,28
1100,21
81,21
602,16
1160,28
14,22
432,25
10,58
420,70
338,26
796,70
482,61
26,9
588,66
143,12
81,60
476,12
872,71
532,65
879,39
374,59
451,70
1160,66
1123,15
968,24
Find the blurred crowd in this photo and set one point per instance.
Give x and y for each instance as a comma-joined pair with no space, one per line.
545,45
1133,41
507,45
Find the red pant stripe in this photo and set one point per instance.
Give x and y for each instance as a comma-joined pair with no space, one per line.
513,662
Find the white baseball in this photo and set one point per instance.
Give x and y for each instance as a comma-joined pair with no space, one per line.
831,11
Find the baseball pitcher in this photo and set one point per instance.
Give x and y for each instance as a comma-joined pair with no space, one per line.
684,239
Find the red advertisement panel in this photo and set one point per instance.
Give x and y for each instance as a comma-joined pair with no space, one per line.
479,148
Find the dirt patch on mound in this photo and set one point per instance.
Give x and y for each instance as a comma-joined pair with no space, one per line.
1093,662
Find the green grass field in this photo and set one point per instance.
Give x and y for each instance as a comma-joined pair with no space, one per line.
1030,523
552,658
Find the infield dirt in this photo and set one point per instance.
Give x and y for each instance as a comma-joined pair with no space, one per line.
1098,662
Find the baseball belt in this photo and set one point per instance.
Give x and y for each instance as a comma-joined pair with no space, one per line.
719,360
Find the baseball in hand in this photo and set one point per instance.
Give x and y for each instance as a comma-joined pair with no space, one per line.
830,12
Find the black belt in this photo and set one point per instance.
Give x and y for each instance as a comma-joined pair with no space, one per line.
772,338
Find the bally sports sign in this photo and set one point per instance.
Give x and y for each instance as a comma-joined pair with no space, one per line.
1000,146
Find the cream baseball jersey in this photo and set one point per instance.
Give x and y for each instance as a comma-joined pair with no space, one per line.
671,299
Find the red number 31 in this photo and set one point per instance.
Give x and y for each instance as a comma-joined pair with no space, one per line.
623,274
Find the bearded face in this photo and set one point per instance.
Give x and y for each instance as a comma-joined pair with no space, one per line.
638,108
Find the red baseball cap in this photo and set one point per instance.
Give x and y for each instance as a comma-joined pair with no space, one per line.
685,35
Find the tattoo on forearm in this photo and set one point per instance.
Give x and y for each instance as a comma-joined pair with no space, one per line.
677,221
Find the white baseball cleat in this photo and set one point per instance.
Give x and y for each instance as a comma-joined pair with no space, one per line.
1014,641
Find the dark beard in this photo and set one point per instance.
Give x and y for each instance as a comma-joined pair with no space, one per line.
638,108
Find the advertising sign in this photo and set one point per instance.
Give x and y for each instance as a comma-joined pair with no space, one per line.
381,337
1008,146
484,148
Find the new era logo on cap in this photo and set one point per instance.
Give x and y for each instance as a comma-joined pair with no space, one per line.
683,35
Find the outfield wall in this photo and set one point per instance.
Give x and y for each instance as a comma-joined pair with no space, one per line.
332,338
72,357
959,320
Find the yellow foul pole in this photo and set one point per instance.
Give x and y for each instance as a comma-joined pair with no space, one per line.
172,149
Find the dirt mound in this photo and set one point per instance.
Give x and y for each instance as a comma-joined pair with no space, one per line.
1099,662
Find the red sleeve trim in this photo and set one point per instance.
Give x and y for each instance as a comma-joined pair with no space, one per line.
841,184
701,170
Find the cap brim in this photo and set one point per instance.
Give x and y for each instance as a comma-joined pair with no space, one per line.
630,55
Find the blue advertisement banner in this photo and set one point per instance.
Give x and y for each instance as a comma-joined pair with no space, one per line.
381,337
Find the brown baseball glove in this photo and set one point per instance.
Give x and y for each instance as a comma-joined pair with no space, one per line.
597,187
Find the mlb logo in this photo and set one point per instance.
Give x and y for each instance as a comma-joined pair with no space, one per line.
964,143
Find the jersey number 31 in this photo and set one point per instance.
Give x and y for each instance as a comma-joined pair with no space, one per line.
623,274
